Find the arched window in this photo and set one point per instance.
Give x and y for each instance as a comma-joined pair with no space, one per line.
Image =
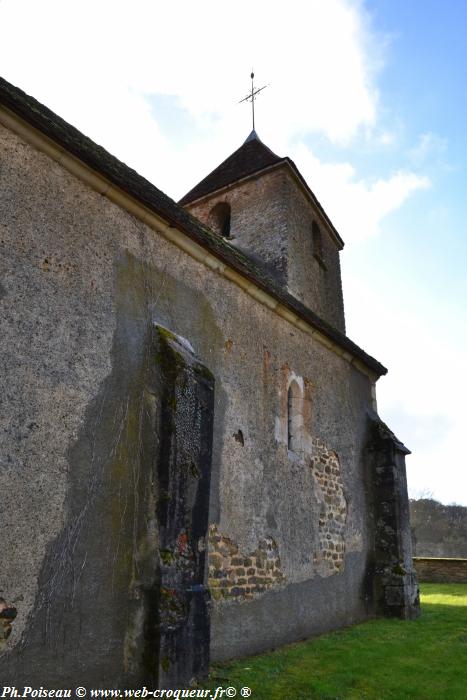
219,218
294,416
317,241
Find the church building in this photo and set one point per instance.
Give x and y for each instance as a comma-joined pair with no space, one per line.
192,465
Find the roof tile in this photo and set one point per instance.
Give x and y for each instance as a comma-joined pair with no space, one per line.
251,157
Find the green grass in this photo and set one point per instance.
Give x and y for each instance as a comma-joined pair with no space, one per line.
423,659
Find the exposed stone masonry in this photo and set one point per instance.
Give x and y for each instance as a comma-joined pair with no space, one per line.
329,487
440,569
235,575
7,616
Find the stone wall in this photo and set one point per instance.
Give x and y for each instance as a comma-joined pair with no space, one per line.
440,570
83,283
258,223
394,583
331,524
315,281
271,220
175,618
235,575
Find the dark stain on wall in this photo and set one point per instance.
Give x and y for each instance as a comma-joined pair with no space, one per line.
185,389
97,612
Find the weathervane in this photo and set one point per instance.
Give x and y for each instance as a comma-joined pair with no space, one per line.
251,96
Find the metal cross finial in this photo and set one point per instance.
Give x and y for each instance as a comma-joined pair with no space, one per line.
251,96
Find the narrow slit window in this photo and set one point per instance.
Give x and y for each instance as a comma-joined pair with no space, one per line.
317,242
294,416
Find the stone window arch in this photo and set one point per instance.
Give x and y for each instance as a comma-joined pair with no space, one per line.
294,416
219,218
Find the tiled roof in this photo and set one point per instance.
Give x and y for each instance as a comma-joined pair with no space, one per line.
128,180
251,157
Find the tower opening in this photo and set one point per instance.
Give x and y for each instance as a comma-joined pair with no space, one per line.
219,218
317,241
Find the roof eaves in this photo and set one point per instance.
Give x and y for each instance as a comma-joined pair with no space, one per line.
315,201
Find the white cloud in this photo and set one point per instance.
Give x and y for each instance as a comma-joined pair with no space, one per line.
430,146
99,64
387,138
96,63
355,206
423,396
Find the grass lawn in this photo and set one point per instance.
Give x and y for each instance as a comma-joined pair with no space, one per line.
424,659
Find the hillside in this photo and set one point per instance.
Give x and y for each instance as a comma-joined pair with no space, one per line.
438,530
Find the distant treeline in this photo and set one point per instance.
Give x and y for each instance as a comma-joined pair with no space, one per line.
438,530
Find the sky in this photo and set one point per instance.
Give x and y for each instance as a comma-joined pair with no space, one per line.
366,96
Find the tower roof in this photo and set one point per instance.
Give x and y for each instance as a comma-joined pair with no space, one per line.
251,157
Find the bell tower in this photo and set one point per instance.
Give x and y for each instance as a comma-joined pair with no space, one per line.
261,204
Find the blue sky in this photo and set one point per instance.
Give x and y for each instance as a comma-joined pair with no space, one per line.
366,96
418,260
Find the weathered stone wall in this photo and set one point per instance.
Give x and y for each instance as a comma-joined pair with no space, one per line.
82,283
316,282
271,220
258,224
440,570
394,579
438,530
333,515
176,626
234,575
